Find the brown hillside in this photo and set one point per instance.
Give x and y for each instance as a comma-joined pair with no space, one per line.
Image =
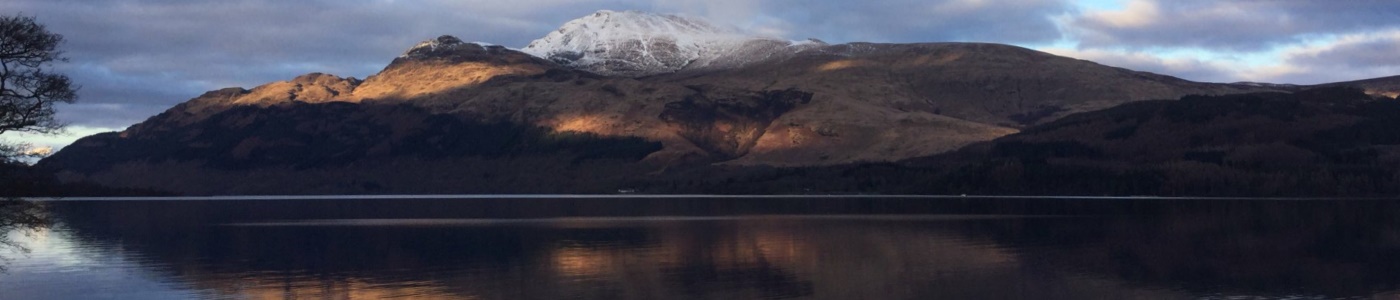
820,106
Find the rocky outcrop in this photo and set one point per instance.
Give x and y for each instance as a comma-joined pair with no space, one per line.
728,125
444,64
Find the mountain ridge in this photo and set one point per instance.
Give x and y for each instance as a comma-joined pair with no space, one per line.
1316,142
633,43
811,104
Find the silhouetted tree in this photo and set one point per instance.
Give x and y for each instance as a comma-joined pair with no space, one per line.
28,91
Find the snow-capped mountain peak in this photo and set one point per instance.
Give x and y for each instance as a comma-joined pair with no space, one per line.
633,43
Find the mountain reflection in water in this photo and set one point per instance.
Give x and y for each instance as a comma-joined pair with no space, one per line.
711,249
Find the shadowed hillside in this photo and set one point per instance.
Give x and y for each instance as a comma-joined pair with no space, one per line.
338,147
1335,141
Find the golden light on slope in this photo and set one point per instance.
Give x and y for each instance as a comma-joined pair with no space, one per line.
842,64
584,123
605,124
936,60
784,138
413,80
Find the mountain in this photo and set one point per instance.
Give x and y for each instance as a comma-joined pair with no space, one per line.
1327,141
885,102
1384,86
603,101
632,43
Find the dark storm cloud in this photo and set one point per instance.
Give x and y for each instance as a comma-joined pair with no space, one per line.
100,85
1249,25
110,116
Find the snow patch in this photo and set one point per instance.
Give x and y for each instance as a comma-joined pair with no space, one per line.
632,43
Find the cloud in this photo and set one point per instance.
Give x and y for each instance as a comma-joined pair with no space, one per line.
53,142
1349,57
741,13
1345,58
1008,21
1356,51
1186,68
1015,21
107,115
1284,41
1228,25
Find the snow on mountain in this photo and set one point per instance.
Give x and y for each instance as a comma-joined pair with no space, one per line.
632,43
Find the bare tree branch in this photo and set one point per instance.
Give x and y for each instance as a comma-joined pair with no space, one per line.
28,92
27,96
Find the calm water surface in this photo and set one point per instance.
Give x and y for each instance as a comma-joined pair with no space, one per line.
727,248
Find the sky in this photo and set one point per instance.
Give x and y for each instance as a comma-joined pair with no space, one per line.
137,58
